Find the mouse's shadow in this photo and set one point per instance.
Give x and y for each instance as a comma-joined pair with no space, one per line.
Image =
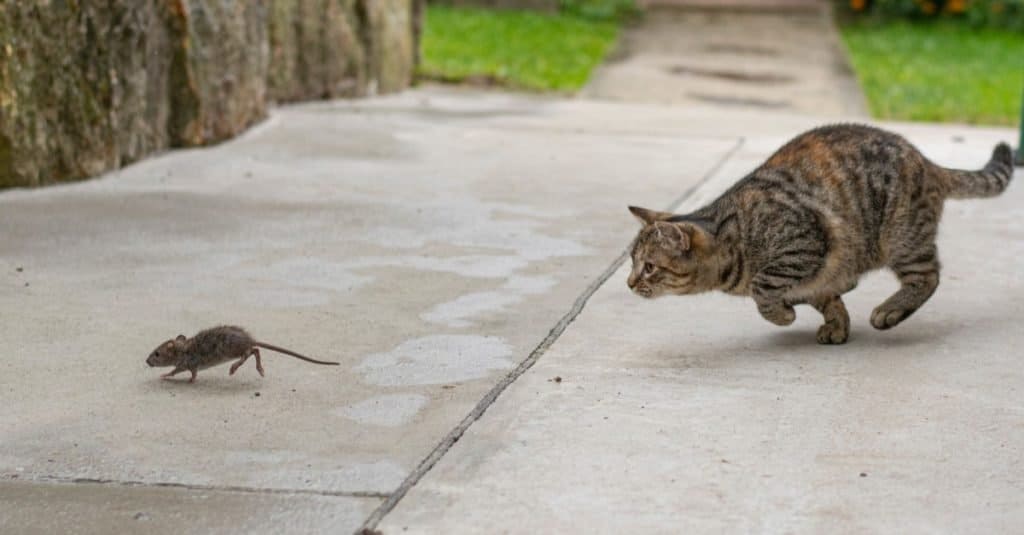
206,385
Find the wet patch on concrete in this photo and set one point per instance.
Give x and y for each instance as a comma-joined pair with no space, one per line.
390,410
530,284
459,312
475,266
732,76
466,221
739,101
741,49
381,476
437,359
310,272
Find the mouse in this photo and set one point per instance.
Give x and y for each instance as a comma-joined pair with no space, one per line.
212,347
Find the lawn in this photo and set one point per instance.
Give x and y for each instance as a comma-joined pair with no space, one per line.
518,49
939,71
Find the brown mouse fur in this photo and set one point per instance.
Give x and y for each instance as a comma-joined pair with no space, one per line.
212,347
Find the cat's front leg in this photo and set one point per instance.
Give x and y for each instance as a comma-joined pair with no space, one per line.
770,303
778,312
836,328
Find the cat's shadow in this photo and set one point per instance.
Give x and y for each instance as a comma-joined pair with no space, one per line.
807,338
800,344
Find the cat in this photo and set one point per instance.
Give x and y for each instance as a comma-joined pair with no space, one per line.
830,205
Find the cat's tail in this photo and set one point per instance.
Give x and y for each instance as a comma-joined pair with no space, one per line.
988,182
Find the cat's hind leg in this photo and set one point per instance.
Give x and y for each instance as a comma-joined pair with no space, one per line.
918,272
836,328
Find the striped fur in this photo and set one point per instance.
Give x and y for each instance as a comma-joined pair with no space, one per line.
830,205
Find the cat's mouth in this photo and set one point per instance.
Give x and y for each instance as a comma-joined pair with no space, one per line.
644,292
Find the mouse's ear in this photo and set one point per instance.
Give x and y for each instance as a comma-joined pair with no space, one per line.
180,338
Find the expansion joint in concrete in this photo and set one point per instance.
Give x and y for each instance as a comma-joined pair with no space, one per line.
187,486
481,407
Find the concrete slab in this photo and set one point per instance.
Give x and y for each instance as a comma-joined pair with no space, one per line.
429,242
773,60
694,415
31,508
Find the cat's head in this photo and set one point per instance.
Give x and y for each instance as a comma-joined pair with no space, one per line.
669,257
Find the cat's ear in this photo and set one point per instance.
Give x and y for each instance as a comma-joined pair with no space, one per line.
648,216
673,236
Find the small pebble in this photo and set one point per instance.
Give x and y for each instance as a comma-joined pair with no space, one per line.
257,394
141,516
557,379
863,474
19,269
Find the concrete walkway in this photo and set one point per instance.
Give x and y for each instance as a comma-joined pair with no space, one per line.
743,54
438,243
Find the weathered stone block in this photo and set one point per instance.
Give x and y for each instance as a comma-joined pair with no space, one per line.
315,51
82,88
218,69
549,6
90,86
390,40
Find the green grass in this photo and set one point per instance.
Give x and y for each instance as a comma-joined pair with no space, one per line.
941,71
515,48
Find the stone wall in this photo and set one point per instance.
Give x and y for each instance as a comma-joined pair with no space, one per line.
85,87
549,6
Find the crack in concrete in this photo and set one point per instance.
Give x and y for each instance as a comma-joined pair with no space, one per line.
188,486
481,407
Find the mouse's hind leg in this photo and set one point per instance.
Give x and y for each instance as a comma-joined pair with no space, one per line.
259,363
238,363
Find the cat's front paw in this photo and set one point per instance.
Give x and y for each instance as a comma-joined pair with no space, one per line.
883,317
833,333
778,313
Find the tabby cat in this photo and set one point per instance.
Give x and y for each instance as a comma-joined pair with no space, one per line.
833,203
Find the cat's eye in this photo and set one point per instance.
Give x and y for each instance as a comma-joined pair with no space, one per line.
648,268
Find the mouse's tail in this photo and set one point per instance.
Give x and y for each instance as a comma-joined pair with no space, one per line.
294,354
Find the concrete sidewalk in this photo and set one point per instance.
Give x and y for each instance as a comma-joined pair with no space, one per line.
433,242
694,415
742,54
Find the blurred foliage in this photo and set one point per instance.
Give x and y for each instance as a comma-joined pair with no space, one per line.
938,70
522,49
991,13
601,9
